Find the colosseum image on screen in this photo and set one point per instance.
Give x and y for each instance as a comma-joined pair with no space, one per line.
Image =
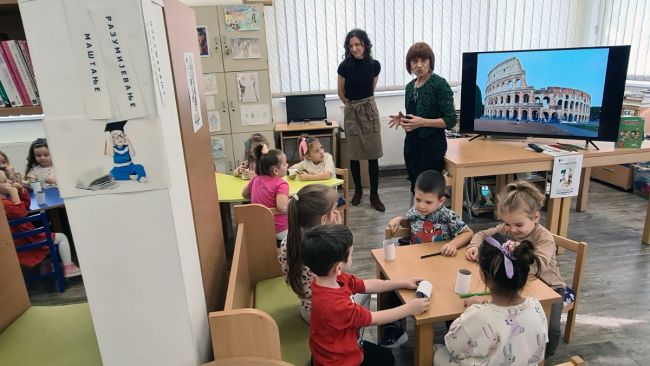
541,92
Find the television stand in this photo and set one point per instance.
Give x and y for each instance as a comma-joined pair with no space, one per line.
477,136
590,142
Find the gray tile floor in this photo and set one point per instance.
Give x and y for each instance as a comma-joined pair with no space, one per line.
613,318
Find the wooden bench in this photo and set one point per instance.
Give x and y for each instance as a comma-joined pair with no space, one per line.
261,313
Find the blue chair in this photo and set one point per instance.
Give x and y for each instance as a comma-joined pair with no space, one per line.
44,228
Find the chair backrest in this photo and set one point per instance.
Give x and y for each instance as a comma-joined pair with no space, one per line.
13,293
255,255
403,231
580,248
44,228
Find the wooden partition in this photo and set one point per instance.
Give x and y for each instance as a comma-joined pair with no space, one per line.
13,293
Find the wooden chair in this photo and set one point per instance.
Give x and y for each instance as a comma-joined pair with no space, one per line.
57,271
580,248
343,173
573,361
403,231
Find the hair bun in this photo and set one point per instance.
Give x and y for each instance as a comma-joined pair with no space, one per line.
525,251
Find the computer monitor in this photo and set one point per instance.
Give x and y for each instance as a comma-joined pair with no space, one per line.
306,107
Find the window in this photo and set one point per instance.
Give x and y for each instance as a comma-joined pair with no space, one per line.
305,37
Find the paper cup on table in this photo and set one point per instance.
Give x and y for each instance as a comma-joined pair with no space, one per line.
293,172
36,186
463,281
424,290
389,250
40,198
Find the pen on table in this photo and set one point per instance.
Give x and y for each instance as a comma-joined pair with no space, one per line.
472,294
430,255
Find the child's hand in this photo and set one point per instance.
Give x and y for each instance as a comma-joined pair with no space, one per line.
412,283
448,250
7,188
418,306
471,254
50,180
304,176
474,300
394,224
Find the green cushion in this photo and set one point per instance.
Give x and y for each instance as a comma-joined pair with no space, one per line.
275,297
51,335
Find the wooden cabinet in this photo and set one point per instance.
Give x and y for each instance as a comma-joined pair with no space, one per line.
618,175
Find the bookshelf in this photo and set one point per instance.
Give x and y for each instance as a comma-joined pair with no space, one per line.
12,25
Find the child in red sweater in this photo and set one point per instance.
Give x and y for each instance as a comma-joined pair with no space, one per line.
335,319
16,202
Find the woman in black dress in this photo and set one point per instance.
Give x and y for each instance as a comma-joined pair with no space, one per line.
358,74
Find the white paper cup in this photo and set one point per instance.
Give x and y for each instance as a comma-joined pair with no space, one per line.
293,172
389,250
40,198
424,290
36,186
463,281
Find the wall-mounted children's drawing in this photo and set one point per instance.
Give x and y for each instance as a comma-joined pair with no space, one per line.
243,48
202,35
255,114
241,18
121,148
248,87
218,147
210,81
214,121
193,89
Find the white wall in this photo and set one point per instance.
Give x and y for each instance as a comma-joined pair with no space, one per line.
20,131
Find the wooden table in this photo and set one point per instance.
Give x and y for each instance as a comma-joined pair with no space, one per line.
445,303
481,157
294,130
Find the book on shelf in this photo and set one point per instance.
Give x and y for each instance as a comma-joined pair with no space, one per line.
4,99
21,75
8,84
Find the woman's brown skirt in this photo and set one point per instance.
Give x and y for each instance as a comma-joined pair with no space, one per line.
363,129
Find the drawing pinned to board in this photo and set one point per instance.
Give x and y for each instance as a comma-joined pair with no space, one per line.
193,89
123,151
210,81
241,18
243,48
202,35
248,87
255,114
218,147
214,120
209,103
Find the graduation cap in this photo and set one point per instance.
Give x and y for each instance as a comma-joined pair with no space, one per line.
115,126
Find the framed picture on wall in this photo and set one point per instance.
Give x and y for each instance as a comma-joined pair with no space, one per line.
202,36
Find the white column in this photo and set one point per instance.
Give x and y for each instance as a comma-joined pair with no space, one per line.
137,251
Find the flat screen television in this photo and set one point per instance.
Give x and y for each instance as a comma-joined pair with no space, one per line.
306,107
572,93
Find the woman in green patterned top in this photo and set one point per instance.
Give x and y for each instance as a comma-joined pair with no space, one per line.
429,104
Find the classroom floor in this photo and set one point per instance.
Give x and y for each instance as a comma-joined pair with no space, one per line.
612,325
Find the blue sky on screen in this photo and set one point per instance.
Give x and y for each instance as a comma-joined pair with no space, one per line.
582,69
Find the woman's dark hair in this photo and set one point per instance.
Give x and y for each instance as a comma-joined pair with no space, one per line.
324,246
365,41
313,202
420,50
491,259
31,157
266,162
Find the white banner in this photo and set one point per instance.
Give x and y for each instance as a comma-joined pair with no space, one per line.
565,181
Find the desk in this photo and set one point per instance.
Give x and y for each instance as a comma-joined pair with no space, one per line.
482,157
445,303
229,190
52,200
294,130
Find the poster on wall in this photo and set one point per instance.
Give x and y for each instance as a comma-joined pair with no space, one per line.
255,114
202,35
218,147
210,82
565,181
155,37
241,18
248,87
214,121
245,48
193,88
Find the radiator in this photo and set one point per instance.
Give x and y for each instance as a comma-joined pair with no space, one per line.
17,153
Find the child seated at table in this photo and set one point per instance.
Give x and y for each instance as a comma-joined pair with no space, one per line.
269,189
336,321
16,202
246,168
9,170
39,164
519,210
430,220
508,330
316,163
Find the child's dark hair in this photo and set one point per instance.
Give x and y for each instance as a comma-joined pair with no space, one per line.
324,246
266,162
365,41
306,146
313,202
252,142
431,181
491,261
5,157
31,158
